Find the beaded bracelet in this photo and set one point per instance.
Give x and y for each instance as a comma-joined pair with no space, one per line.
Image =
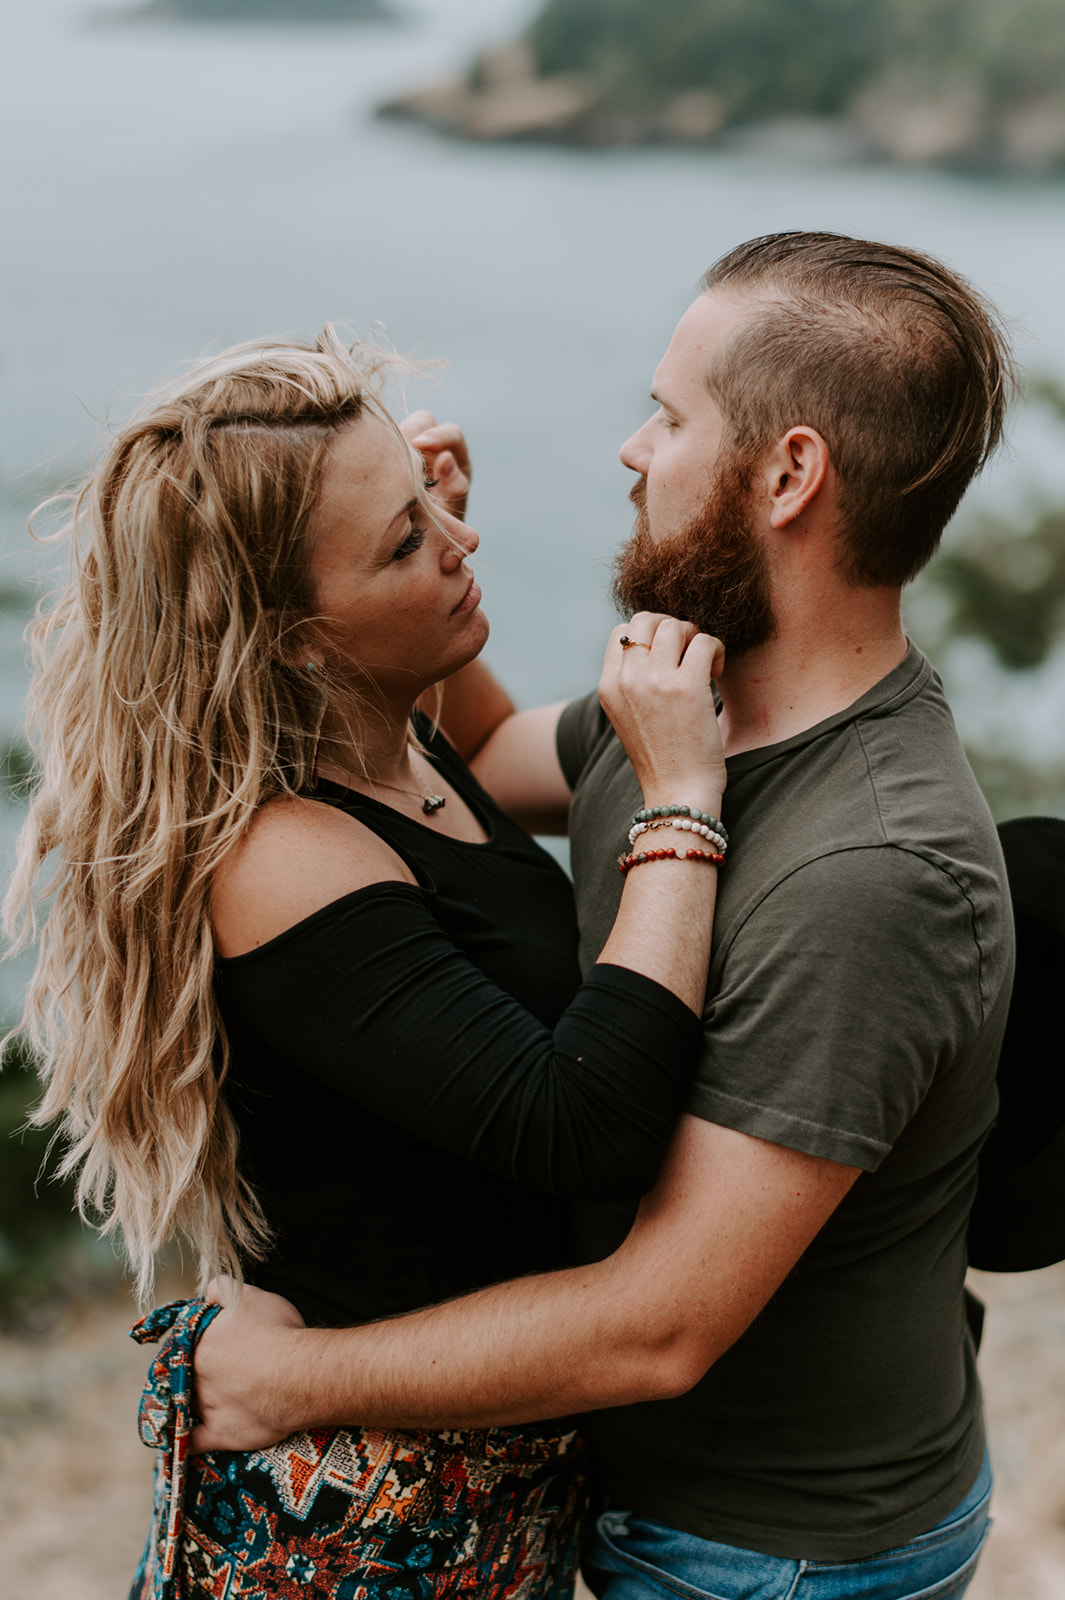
693,812
626,863
683,824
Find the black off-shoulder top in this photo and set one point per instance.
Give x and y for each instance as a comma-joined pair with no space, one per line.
421,1082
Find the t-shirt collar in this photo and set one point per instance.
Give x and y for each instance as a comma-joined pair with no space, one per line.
911,675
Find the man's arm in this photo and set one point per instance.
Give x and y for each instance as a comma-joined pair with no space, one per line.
469,706
512,753
726,1222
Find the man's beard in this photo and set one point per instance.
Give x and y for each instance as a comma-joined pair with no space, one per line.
713,573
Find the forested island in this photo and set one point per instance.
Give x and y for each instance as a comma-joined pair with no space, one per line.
256,11
969,83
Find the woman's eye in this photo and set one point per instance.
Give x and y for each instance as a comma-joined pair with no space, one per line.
414,541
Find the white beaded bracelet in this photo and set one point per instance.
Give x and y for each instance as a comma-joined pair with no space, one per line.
683,825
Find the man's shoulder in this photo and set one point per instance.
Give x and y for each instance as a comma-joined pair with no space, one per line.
865,863
890,773
583,726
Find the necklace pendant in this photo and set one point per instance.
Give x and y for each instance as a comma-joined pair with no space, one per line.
433,802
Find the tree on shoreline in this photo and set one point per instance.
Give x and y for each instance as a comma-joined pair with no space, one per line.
993,70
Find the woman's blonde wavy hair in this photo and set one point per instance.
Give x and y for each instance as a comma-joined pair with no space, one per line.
169,702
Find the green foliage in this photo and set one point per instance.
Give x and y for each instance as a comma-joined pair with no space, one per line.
45,1249
15,600
743,50
768,58
1007,586
1014,787
18,772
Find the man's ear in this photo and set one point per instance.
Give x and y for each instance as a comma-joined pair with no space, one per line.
794,471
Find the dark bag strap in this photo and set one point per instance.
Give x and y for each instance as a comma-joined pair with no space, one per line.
1018,1221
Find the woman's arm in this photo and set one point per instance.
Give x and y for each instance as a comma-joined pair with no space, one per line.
512,753
373,1000
357,984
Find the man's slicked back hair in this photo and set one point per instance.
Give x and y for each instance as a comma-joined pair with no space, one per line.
900,365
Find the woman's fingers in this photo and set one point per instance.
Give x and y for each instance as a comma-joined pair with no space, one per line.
437,436
704,657
668,641
433,439
452,486
416,423
447,458
656,687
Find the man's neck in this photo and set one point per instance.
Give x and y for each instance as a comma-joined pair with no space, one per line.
800,677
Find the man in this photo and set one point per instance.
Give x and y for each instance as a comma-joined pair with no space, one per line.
775,1351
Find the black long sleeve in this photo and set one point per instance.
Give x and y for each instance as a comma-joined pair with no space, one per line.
371,997
418,1078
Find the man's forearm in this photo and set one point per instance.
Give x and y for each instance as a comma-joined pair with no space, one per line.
518,1352
473,704
729,1217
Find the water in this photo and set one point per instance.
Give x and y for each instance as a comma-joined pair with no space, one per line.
170,189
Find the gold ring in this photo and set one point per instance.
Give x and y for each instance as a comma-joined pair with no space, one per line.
626,643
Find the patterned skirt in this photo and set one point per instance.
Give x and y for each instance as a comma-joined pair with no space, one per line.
355,1514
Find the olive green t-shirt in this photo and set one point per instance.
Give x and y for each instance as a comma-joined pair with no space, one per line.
860,976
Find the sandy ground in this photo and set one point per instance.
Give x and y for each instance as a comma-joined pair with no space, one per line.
75,1481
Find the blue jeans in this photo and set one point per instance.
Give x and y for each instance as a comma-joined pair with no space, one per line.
631,1558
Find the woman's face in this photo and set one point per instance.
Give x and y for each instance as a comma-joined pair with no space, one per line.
391,583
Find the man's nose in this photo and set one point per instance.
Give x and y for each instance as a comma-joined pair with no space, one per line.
634,452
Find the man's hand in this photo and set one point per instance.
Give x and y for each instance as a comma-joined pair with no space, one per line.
232,1365
447,458
726,1222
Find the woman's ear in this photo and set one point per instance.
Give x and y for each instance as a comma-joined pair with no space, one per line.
292,649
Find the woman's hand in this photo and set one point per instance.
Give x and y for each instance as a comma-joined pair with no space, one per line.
447,458
656,689
232,1363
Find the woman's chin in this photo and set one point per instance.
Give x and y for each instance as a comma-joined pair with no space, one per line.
480,628
472,645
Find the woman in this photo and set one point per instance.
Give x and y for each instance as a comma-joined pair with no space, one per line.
286,924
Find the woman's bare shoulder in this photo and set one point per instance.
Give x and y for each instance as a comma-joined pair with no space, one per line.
298,856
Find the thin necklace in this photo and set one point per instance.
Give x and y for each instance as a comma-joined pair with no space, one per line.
430,802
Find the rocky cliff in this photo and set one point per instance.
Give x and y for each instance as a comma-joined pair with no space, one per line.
967,83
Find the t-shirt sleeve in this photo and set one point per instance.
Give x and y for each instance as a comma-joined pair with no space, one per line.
836,1001
370,996
581,725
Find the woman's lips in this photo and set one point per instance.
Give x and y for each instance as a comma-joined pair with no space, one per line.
470,600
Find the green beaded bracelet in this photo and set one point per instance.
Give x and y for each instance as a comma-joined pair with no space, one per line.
650,812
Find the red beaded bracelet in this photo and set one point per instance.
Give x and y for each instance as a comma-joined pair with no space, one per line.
625,863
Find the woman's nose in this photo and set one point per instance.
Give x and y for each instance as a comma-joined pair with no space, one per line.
461,542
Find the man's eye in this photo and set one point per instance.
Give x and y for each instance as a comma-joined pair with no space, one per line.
414,541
